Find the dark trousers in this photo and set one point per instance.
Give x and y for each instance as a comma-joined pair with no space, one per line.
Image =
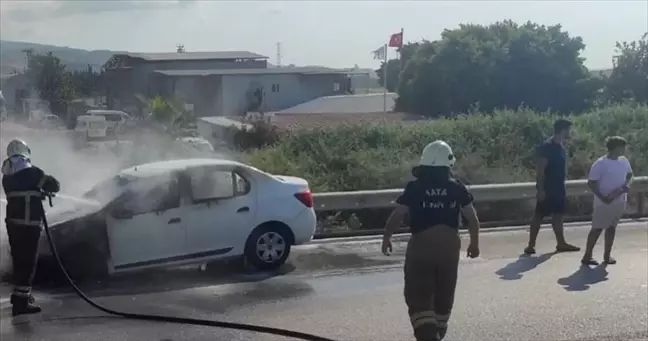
24,242
431,266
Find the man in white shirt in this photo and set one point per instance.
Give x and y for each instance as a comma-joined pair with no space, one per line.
609,179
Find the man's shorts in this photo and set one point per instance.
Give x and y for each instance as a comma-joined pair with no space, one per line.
606,216
551,205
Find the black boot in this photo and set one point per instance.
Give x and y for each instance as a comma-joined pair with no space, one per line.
427,333
24,306
441,331
31,299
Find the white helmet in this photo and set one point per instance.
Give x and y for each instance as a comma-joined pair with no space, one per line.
18,147
437,154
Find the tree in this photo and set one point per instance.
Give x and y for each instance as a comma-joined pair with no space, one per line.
116,61
395,66
47,75
629,78
162,112
170,114
503,65
87,83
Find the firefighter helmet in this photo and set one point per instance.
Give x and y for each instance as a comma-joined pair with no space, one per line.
18,147
437,154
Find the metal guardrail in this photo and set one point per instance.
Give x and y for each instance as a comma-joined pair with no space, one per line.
342,201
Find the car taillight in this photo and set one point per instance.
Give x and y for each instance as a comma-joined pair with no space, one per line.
306,198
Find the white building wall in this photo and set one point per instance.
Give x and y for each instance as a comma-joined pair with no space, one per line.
281,91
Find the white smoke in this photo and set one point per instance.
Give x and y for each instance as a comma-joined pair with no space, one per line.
80,170
53,152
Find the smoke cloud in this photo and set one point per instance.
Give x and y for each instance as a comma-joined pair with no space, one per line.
80,170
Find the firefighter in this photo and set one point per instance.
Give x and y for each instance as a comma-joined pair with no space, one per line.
25,186
434,203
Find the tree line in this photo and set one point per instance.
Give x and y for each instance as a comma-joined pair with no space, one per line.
56,85
507,65
502,65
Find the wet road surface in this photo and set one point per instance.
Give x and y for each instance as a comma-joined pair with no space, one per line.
500,297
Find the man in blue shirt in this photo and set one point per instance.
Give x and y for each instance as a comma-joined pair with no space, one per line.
551,169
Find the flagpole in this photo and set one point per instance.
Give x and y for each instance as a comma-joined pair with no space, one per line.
400,53
385,81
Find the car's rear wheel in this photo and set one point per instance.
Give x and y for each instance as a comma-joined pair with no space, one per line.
268,247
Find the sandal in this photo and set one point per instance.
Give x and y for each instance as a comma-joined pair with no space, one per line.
567,248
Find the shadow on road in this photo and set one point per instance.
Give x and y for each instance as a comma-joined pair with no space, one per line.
329,259
584,278
524,263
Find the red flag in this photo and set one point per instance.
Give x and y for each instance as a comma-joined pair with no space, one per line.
396,40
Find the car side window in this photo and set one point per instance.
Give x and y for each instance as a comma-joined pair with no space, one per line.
209,184
242,186
152,195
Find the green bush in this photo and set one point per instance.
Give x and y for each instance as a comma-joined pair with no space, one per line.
495,148
260,135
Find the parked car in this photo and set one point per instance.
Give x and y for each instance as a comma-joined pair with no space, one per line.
117,121
52,122
198,144
181,212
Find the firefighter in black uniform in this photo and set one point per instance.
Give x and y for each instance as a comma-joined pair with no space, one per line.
434,203
25,186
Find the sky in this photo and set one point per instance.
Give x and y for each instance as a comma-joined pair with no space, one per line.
329,33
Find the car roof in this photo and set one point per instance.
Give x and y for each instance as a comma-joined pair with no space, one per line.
91,118
163,167
193,139
104,112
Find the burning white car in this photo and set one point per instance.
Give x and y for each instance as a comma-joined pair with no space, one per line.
182,212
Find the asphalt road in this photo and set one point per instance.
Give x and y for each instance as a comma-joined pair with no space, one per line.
500,297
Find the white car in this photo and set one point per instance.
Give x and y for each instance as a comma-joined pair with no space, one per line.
116,120
196,144
183,212
52,122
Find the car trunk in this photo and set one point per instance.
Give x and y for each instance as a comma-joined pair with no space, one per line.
300,187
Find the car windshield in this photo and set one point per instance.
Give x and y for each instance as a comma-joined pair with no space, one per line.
108,190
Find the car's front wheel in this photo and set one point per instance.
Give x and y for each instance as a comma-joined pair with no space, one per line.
268,247
83,262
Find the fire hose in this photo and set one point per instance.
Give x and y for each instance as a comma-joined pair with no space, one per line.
168,319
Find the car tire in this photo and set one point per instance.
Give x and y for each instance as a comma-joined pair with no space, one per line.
83,262
268,247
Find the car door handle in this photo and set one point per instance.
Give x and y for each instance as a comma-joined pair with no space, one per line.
174,221
243,209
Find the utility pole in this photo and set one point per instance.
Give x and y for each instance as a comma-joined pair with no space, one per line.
28,55
279,54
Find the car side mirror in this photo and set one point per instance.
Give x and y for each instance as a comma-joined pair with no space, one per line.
122,214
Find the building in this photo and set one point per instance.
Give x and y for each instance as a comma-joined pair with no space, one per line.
219,83
322,112
346,104
15,89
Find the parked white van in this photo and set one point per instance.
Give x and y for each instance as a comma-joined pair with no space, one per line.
115,119
91,127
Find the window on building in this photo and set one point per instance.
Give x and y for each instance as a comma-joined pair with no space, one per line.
336,86
275,87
